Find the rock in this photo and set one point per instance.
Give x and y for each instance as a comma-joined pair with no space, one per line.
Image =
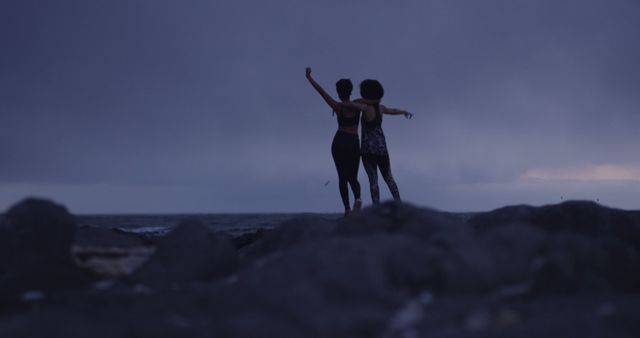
249,238
47,228
587,247
577,217
338,286
189,253
392,270
460,259
581,264
397,217
502,216
35,249
296,231
389,217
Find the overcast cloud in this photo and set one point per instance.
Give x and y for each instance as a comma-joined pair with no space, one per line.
202,106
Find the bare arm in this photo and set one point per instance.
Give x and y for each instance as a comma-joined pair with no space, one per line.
363,105
365,101
327,98
367,110
394,111
354,105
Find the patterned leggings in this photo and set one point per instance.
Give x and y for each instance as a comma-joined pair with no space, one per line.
371,164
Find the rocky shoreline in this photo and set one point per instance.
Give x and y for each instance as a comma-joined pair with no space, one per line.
394,270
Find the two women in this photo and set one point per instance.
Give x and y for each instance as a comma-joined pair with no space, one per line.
345,149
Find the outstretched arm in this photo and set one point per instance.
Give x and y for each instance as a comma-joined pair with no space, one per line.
327,98
365,101
394,111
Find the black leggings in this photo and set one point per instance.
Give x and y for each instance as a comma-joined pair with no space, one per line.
371,164
346,155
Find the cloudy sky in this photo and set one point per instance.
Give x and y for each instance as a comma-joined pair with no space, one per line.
202,106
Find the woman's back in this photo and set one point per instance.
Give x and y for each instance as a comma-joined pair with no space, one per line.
348,120
373,140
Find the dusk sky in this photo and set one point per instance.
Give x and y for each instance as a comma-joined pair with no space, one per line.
202,106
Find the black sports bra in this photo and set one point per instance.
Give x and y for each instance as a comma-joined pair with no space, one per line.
348,121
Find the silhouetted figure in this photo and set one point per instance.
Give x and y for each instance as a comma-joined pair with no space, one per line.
374,146
345,148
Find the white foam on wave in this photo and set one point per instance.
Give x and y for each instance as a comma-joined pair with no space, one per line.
147,230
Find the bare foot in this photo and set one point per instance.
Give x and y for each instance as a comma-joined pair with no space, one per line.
347,212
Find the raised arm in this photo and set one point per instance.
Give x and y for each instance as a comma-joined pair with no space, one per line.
335,105
394,111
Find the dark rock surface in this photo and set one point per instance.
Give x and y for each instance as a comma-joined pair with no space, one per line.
35,250
587,246
297,231
394,270
188,253
46,227
249,238
575,217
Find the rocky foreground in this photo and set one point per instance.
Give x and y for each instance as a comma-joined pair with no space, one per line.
394,270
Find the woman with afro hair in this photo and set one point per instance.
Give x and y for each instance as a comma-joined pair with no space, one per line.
373,143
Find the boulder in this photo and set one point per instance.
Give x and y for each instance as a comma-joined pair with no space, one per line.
577,217
189,253
336,286
571,264
35,249
45,228
296,231
398,217
249,238
587,247
389,218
